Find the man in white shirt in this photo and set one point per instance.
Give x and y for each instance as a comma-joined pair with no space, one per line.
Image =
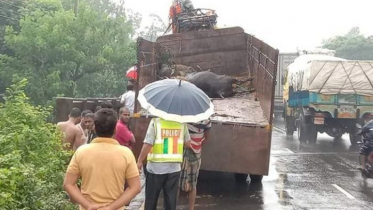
128,98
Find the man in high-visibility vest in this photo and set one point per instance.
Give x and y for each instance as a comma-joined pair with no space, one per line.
163,145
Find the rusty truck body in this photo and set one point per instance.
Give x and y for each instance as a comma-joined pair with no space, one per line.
240,139
241,132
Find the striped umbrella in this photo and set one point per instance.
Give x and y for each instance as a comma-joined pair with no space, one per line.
176,100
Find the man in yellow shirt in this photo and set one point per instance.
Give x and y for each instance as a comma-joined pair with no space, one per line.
105,167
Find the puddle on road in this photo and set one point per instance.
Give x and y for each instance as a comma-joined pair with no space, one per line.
274,191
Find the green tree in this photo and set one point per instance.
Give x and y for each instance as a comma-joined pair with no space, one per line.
32,161
353,45
155,29
10,14
135,20
63,53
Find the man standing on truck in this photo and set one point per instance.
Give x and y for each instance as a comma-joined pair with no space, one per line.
163,145
177,7
128,98
71,133
199,132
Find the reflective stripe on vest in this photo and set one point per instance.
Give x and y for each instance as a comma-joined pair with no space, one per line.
169,142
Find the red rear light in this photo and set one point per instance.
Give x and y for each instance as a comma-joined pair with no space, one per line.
370,158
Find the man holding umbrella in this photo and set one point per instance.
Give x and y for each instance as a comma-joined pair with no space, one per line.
174,103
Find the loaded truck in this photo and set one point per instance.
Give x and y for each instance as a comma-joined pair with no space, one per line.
240,141
284,60
326,94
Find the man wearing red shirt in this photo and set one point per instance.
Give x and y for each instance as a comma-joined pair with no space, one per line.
123,135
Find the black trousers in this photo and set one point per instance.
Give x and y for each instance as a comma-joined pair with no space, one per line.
169,183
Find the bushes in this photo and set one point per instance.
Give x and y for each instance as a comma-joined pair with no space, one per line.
32,162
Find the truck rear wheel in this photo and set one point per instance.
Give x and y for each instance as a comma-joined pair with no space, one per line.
354,138
240,178
312,134
353,131
256,178
289,126
302,133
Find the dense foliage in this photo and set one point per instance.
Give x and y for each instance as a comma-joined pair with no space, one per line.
64,49
353,45
32,162
52,48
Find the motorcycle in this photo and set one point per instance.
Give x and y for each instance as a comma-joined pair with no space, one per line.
364,144
368,173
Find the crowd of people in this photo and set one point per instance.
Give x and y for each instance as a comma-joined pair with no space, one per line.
103,158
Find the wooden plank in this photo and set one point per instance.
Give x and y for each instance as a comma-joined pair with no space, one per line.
263,65
246,149
64,105
230,55
202,46
230,63
200,34
235,68
147,64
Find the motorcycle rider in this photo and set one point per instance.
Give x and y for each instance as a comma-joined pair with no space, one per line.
367,148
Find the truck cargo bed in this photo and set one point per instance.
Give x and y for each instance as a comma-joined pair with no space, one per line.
242,109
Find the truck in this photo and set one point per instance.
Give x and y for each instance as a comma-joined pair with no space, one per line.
240,141
326,94
284,60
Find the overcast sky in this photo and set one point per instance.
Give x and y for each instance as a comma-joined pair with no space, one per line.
284,24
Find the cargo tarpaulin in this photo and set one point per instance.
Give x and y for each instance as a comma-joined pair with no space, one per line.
330,75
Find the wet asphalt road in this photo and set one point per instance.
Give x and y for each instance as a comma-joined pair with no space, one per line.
321,176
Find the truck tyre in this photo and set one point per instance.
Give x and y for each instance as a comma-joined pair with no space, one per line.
256,178
312,134
289,127
240,178
354,138
302,133
354,130
339,137
289,123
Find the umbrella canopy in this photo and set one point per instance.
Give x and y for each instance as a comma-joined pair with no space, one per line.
132,73
176,100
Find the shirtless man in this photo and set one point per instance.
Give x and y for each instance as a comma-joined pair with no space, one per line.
71,133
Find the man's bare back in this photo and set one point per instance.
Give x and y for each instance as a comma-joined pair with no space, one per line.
71,135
